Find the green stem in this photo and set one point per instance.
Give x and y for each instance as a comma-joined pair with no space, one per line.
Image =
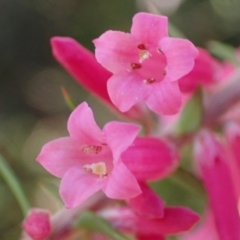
13,183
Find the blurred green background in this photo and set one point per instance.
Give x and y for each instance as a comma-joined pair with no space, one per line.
32,109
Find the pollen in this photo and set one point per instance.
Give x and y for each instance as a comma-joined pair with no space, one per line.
143,55
135,66
149,80
97,168
91,149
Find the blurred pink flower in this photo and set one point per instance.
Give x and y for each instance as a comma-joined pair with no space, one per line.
174,221
145,64
203,73
215,173
37,224
83,66
89,160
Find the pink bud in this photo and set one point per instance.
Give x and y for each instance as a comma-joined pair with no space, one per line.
37,224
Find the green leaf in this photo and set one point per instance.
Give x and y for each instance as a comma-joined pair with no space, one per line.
191,117
91,221
14,184
223,51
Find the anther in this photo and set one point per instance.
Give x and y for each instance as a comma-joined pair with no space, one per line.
91,149
149,80
141,46
159,50
135,66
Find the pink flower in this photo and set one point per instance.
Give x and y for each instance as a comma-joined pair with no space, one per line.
203,73
90,159
37,224
151,159
145,64
205,231
214,170
83,66
174,221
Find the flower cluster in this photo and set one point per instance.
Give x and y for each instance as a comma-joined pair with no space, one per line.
128,71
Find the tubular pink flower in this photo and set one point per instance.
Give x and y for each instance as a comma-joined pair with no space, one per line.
232,132
151,159
175,220
89,160
37,224
83,66
145,64
203,73
212,163
148,204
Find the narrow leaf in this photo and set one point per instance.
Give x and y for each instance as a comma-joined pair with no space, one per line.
192,114
67,99
14,184
91,221
223,51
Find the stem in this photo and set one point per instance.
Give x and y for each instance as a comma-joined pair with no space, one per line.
13,183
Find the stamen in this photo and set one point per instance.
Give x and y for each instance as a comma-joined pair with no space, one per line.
136,65
91,149
159,51
149,80
97,168
143,55
141,46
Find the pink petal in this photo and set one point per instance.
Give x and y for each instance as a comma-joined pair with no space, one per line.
148,204
77,186
150,159
150,237
165,98
149,28
203,72
82,65
205,231
176,220
116,50
212,163
82,126
180,55
59,155
121,184
119,136
126,89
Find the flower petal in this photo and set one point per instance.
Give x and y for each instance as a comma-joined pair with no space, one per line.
180,55
121,184
149,28
150,237
116,50
119,136
82,65
59,155
78,185
126,89
150,158
148,204
175,220
82,126
165,98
